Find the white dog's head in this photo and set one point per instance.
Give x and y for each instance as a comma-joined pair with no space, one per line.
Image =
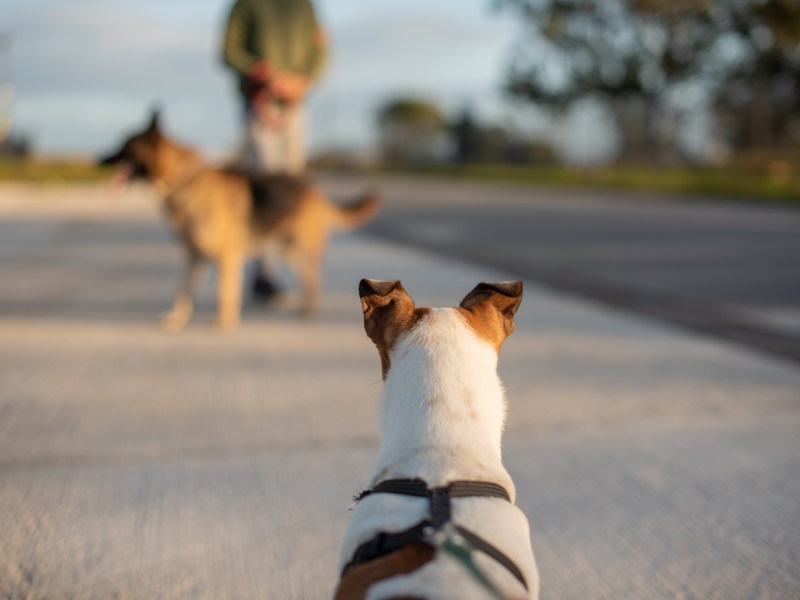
441,388
390,313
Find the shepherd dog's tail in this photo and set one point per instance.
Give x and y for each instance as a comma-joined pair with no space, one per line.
356,214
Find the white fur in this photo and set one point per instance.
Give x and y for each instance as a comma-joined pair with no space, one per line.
442,413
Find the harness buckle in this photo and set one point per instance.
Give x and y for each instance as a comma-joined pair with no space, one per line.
440,506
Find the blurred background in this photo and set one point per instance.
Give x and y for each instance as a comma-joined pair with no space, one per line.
635,162
540,83
112,60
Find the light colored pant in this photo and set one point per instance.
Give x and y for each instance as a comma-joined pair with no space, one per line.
271,148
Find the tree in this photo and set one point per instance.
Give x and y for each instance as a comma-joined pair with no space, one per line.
477,143
758,95
467,137
413,131
641,56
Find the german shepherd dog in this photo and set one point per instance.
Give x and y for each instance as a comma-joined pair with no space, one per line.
226,215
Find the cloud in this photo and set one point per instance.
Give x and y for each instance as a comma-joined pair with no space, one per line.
87,69
81,75
103,50
418,49
452,60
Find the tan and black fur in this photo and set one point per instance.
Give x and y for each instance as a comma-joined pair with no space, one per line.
225,215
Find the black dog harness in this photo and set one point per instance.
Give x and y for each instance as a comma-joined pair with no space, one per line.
384,543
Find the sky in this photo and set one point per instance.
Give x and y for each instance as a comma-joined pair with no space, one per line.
87,71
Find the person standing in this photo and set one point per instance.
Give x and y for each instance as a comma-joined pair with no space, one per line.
277,50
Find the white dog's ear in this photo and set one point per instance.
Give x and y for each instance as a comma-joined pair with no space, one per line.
376,293
491,307
388,312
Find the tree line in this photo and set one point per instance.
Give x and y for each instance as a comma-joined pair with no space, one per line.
657,68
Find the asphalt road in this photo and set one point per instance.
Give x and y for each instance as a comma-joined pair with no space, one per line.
726,269
136,464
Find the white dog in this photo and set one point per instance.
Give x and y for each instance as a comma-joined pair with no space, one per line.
439,520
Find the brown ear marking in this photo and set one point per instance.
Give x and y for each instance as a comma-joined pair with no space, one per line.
378,287
389,312
504,295
490,308
377,293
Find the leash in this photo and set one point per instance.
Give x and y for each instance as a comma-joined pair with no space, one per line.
441,515
462,553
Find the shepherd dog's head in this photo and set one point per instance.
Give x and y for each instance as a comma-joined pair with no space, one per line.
139,155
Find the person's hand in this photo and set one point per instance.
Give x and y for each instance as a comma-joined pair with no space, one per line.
260,73
258,88
289,87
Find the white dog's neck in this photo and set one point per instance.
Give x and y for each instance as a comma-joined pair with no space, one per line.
443,407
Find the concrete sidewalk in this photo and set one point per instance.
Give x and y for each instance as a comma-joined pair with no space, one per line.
136,464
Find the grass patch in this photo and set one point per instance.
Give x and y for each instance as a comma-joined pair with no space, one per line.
51,171
727,182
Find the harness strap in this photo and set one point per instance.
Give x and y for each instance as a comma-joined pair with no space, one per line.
386,543
441,513
457,489
440,496
481,544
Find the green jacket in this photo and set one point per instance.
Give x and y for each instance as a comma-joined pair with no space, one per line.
284,33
